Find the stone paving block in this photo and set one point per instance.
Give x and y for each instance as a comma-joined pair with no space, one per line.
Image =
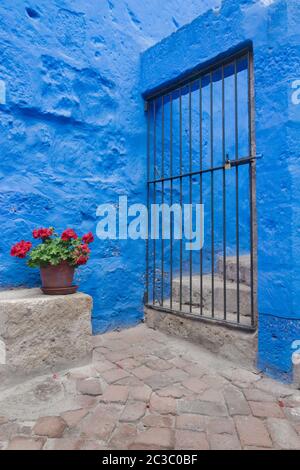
174,391
141,393
195,385
160,438
128,363
131,381
98,425
236,402
89,387
143,372
195,370
115,394
72,418
212,395
159,381
104,366
63,444
116,356
50,426
190,440
266,410
158,421
123,436
201,408
111,376
156,363
133,412
283,434
25,443
253,394
252,431
224,442
191,422
220,425
242,376
92,444
162,405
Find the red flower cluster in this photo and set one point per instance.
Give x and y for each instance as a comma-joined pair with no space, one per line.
42,233
68,234
88,238
21,249
81,260
82,254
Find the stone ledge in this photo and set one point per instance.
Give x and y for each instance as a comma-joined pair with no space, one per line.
236,345
40,333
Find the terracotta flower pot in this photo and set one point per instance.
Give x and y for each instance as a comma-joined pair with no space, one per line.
58,279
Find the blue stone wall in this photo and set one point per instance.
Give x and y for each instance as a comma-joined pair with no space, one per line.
271,27
72,132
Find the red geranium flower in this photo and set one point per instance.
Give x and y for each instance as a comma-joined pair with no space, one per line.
81,260
88,238
84,248
20,249
42,233
68,234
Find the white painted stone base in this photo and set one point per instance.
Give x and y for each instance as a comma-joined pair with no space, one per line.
40,333
236,345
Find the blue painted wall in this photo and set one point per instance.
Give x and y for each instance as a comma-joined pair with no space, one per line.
272,28
72,133
73,130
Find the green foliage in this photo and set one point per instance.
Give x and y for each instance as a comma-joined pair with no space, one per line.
53,251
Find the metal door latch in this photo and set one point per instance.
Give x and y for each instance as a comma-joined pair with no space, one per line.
227,165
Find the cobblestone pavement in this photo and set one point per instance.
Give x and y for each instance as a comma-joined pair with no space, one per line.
146,390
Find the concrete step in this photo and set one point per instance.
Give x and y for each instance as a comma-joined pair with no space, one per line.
231,268
231,294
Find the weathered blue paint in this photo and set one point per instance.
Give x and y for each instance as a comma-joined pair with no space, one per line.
72,133
271,27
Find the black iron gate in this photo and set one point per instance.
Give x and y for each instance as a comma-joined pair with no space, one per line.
201,150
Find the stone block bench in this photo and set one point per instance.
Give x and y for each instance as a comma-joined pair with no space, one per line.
41,333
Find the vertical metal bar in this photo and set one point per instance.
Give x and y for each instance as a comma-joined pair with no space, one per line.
148,202
252,169
191,193
162,196
212,199
201,189
154,199
171,200
237,190
224,193
180,164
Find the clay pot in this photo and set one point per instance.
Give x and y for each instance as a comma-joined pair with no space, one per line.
57,277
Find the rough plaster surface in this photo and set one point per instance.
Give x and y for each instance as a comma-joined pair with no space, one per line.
272,30
42,332
72,130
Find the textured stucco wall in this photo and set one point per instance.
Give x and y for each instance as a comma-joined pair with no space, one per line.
272,28
72,132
